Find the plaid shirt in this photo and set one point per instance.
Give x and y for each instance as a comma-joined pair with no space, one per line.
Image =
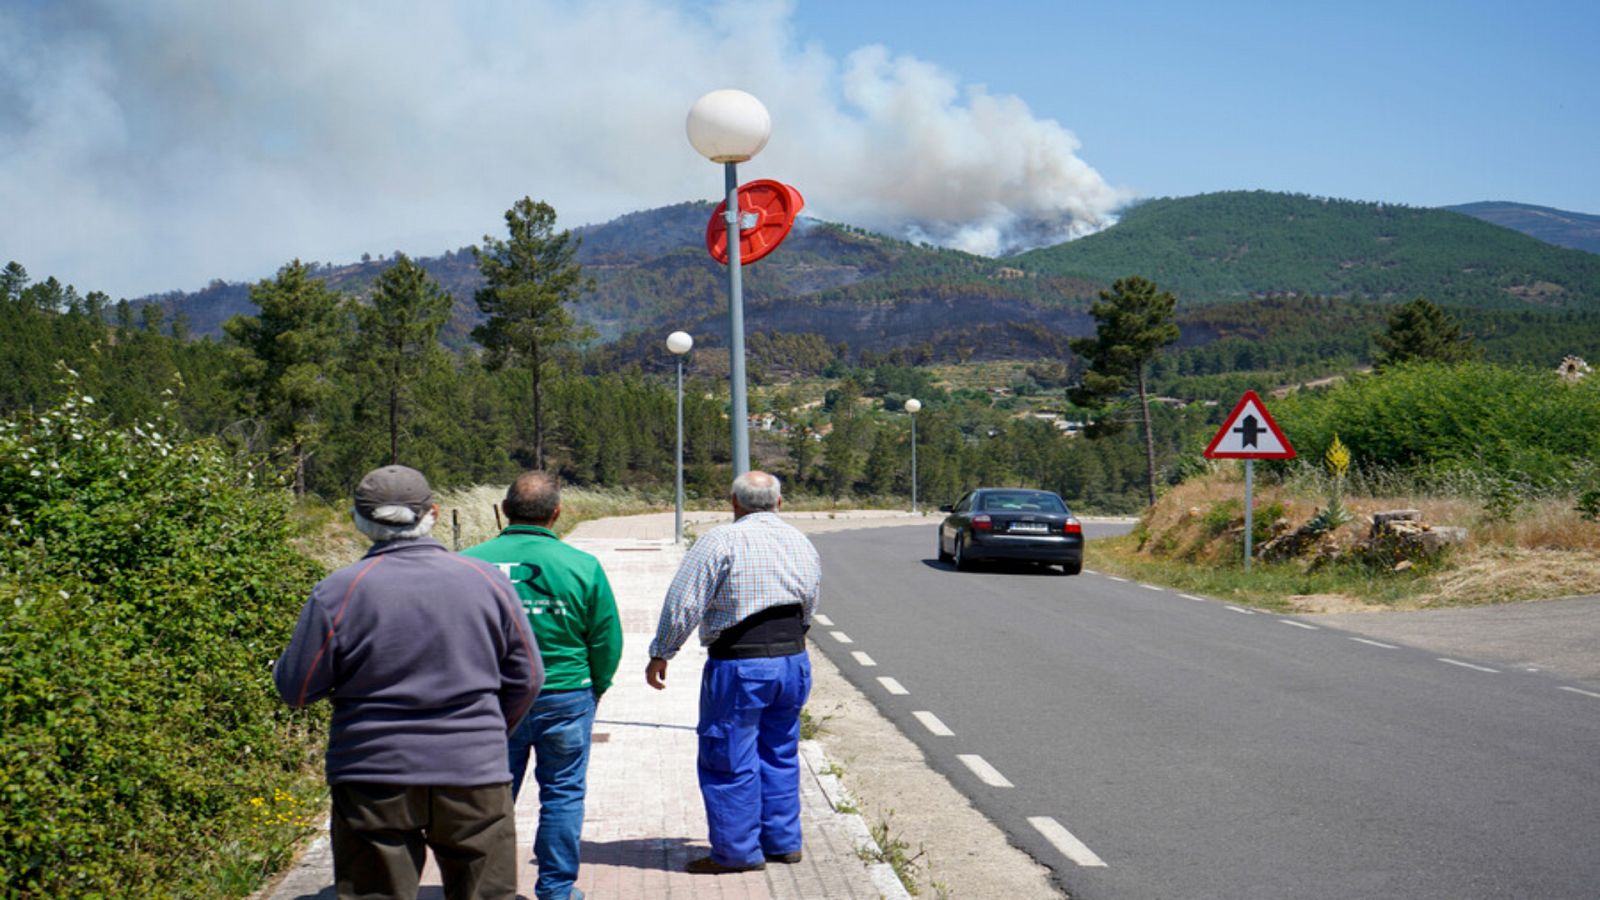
734,571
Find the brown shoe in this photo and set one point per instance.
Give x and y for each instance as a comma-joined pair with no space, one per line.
789,858
705,865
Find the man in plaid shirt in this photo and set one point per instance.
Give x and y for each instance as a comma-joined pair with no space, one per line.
751,587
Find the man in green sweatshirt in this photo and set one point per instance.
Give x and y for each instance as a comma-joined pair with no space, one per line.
574,617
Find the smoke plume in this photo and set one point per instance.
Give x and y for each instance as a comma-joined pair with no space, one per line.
156,145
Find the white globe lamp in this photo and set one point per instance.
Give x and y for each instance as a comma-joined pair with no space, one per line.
728,126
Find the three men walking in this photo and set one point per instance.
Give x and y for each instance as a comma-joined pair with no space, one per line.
421,651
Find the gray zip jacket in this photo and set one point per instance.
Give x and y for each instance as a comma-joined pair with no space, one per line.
428,660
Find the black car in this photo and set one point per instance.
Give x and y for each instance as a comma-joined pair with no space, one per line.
1013,524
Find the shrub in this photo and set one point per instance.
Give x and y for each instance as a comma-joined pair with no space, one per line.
146,586
1453,422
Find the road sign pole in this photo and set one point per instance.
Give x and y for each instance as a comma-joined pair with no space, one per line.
1249,509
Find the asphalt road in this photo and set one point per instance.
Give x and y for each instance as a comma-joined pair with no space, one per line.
1149,745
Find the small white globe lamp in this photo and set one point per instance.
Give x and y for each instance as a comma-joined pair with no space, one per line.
679,343
913,406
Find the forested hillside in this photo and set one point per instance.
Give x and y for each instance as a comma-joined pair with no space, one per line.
870,298
1239,245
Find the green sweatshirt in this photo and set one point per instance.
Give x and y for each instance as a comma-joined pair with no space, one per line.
568,601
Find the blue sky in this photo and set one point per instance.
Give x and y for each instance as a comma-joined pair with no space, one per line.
1426,103
157,145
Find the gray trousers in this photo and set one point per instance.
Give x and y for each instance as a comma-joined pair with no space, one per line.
379,833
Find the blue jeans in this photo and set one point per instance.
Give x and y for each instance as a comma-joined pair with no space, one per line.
557,730
750,755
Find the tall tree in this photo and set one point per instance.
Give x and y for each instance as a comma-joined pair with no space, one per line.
1419,331
397,334
12,281
284,357
529,278
1133,321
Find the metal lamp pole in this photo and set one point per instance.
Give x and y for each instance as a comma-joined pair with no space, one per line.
913,406
741,412
729,127
679,343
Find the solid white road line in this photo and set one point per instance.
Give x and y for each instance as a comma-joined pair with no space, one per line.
1467,665
1151,587
932,723
822,620
986,773
893,687
863,659
1065,841
1192,597
1299,624
841,637
1372,643
1240,609
1581,691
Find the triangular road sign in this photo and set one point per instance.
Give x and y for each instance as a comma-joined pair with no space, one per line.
1249,433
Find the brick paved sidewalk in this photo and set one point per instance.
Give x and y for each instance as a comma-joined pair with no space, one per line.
644,819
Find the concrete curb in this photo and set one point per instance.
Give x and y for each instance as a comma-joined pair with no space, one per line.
883,874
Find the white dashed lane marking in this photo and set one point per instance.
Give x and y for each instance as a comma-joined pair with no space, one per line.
986,773
1065,841
841,637
863,658
1467,665
932,723
1192,597
822,620
1115,578
1240,609
1372,643
1581,691
893,687
1299,624
1151,587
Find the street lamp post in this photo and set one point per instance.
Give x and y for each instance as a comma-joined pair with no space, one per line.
729,127
913,406
679,343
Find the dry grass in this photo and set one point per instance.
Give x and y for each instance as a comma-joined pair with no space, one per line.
328,537
1544,550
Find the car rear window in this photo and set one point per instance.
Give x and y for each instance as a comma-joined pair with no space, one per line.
1048,503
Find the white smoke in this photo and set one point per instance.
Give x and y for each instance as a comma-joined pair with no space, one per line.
156,145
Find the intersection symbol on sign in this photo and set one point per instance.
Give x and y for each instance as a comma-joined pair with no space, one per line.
1249,433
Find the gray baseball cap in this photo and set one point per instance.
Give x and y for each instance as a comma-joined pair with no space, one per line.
394,495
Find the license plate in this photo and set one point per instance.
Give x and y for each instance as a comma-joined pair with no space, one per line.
1030,527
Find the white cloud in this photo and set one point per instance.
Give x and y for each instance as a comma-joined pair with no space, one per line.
154,146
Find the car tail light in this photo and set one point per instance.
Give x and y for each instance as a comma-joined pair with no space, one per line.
982,523
1071,526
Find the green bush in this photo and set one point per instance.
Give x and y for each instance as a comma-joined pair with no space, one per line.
146,585
1456,425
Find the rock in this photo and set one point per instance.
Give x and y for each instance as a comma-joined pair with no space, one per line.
1403,565
1382,519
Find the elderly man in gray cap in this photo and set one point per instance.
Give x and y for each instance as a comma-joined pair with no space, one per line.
429,663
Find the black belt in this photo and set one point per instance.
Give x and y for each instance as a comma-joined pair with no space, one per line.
757,651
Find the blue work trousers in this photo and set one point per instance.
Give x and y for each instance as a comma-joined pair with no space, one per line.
750,755
557,730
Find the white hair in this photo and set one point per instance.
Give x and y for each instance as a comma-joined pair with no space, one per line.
758,491
380,531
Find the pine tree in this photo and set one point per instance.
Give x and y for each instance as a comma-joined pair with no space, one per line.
284,356
396,335
1420,331
1133,321
529,280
